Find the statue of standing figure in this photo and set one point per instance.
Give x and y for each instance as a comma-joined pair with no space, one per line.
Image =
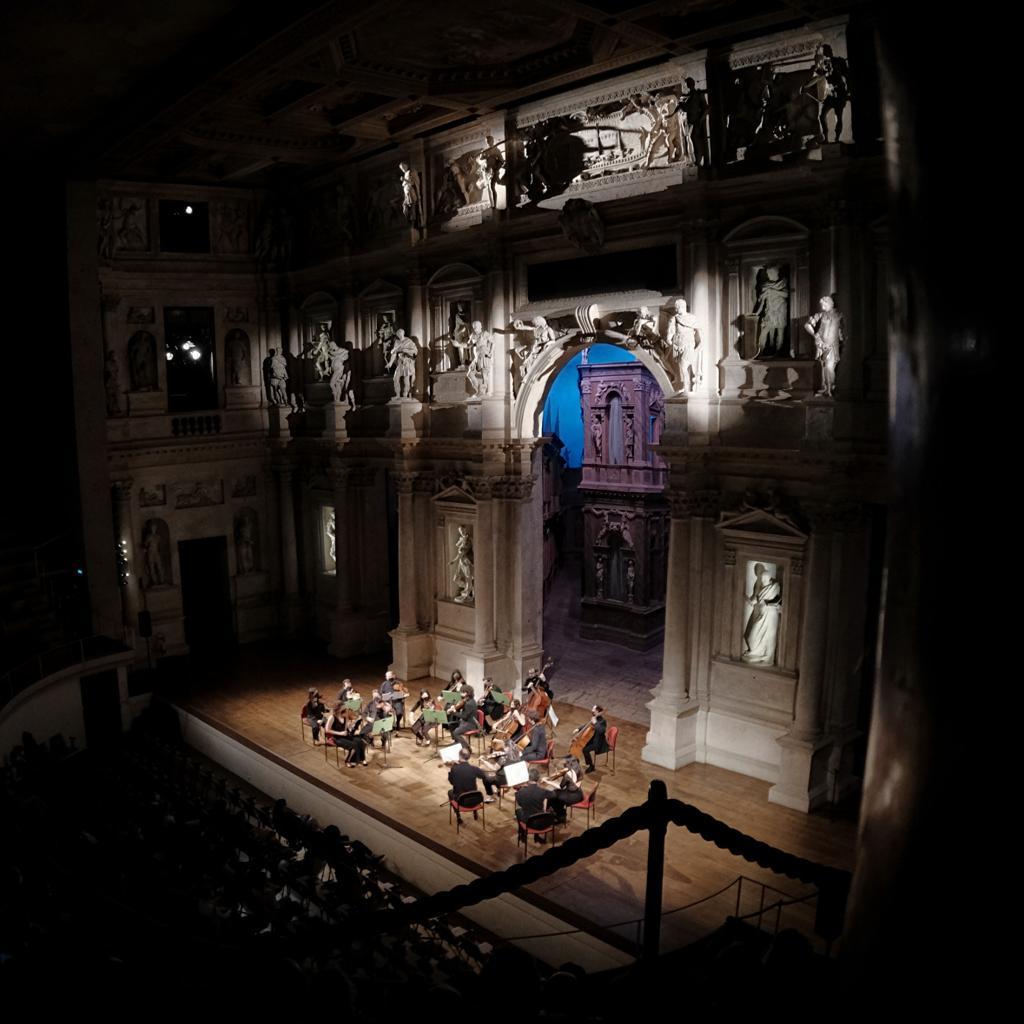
762,627
238,357
245,545
490,165
644,331
403,362
341,375
275,375
112,383
597,434
478,373
412,196
827,329
543,335
683,337
462,578
154,555
772,309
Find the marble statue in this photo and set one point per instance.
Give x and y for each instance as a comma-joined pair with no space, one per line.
412,196
462,578
331,532
829,87
772,310
630,579
644,331
762,629
827,329
107,236
458,332
402,362
543,335
695,125
657,411
153,550
275,375
245,545
385,334
597,435
629,437
490,168
478,372
131,225
683,337
112,384
341,375
320,351
142,361
599,575
238,357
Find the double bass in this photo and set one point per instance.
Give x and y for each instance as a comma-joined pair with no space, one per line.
539,699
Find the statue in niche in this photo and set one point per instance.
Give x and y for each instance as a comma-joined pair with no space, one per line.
630,579
275,236
827,329
245,542
762,629
112,383
490,169
458,331
331,533
462,577
131,224
644,331
772,311
412,196
231,230
599,570
829,87
478,372
597,435
694,108
142,361
341,376
154,555
385,333
683,338
275,377
106,235
582,225
345,213
238,357
403,363
657,411
320,351
629,438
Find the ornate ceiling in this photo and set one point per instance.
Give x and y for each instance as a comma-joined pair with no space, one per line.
345,80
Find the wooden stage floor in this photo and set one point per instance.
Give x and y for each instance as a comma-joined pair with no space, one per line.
258,695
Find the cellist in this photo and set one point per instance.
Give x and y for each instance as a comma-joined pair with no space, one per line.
598,743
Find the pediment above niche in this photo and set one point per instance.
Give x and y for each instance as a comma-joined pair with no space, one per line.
455,497
380,289
761,522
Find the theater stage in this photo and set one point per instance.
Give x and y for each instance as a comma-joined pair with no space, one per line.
253,701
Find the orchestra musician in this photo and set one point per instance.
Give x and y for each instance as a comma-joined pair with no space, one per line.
502,754
569,791
530,800
395,692
537,679
512,725
313,713
344,730
463,777
421,726
536,749
598,743
491,708
465,709
347,691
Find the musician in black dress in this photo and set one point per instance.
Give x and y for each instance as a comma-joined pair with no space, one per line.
467,721
491,708
598,743
421,727
313,712
569,791
343,731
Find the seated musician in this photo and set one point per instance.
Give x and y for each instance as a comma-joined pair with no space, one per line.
390,692
598,742
463,778
421,726
374,709
347,691
569,790
491,708
343,728
313,713
537,679
530,800
466,717
456,682
503,754
511,726
537,748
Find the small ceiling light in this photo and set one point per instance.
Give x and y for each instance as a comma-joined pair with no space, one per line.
188,209
196,354
170,356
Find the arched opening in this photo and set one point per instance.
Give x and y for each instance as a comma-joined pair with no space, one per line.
605,527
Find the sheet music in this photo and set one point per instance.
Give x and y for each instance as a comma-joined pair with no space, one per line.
552,716
518,773
449,755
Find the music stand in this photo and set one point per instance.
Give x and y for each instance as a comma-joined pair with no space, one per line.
383,728
435,719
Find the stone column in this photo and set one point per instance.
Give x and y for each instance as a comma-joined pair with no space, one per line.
289,553
496,407
485,659
125,540
346,628
802,775
671,740
412,650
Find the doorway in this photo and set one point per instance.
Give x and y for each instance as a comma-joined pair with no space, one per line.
206,595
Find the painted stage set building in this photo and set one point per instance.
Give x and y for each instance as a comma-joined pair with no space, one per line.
323,403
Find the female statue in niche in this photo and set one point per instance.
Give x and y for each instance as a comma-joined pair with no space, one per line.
772,310
462,578
245,544
762,628
142,361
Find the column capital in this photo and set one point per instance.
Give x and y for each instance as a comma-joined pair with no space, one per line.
697,504
122,489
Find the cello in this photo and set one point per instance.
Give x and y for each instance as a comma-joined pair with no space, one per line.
583,735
